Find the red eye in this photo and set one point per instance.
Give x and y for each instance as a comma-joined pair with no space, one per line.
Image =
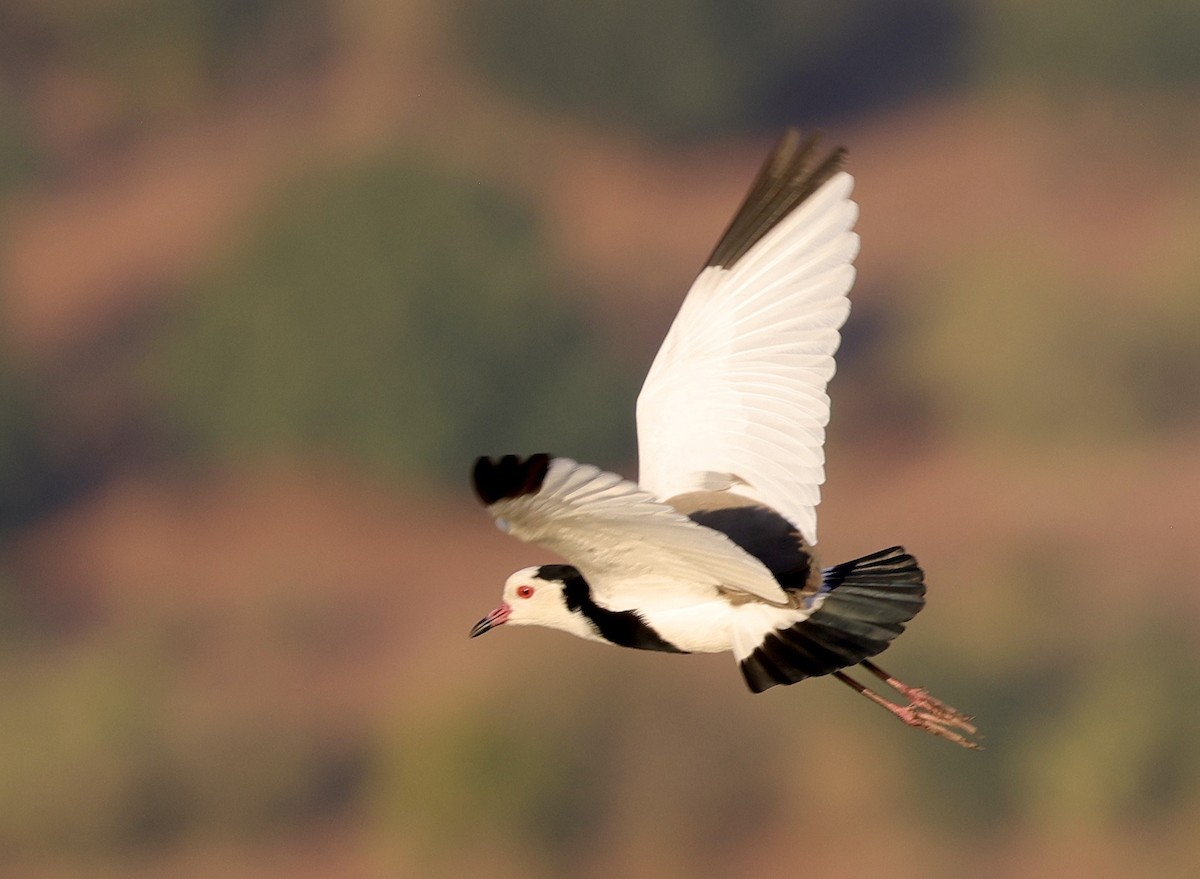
524,591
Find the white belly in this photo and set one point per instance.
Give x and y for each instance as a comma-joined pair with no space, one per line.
717,625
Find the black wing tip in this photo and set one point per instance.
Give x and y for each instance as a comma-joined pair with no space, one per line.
787,178
509,477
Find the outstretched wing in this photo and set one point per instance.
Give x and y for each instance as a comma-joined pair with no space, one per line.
631,548
736,397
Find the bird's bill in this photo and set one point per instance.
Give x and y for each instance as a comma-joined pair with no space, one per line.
496,618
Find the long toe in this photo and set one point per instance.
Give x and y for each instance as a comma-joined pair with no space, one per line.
944,722
943,713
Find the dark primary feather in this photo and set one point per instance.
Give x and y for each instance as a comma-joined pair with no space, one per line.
509,477
786,179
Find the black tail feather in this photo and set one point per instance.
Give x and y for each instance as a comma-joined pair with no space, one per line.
864,606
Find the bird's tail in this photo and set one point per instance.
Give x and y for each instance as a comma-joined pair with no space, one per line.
863,605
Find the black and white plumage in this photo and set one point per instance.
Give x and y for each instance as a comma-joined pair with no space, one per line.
711,550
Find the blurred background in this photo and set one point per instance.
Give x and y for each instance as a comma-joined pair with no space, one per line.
273,273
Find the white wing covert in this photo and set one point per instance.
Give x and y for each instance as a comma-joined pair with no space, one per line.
735,398
614,532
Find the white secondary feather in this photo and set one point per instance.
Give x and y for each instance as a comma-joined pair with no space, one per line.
634,550
736,396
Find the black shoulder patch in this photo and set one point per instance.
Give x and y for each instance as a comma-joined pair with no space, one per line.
509,477
767,536
786,179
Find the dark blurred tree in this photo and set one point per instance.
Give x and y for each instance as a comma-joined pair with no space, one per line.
16,154
37,477
193,39
154,59
1103,42
397,317
32,478
682,68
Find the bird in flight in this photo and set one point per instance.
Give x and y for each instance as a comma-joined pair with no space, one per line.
712,549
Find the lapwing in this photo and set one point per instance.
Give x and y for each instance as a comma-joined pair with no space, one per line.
712,549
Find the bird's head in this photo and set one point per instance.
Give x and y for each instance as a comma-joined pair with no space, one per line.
544,595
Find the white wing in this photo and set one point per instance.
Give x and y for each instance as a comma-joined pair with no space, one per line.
736,397
632,549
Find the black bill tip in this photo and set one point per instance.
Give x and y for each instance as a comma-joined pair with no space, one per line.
497,617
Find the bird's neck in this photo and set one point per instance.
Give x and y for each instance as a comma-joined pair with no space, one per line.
625,628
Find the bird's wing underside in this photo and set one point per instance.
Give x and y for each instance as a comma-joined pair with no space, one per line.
736,397
614,532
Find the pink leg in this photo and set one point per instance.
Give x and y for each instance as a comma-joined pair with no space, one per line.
923,711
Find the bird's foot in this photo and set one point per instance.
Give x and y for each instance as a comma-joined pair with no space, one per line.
939,719
922,711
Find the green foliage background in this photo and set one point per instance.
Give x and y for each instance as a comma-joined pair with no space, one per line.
371,317
683,69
